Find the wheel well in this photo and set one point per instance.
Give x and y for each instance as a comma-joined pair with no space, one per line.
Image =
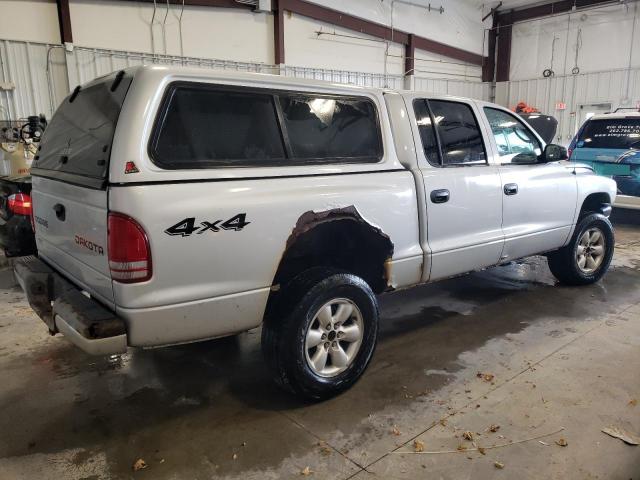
593,203
338,238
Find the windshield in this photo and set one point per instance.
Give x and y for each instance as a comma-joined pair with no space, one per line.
78,138
619,133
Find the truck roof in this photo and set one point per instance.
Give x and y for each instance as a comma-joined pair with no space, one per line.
204,73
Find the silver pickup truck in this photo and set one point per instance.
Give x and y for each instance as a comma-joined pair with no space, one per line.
175,205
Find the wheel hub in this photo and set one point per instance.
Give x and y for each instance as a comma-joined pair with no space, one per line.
590,251
334,337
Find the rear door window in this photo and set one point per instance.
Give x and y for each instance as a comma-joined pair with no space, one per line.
77,141
204,125
450,133
618,133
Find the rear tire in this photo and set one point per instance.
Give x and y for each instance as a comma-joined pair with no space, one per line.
320,337
588,255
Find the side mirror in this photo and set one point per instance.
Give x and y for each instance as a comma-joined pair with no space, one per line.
553,153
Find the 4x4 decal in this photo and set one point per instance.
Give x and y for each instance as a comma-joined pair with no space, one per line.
188,226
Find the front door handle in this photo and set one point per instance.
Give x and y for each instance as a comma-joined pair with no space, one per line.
440,196
511,188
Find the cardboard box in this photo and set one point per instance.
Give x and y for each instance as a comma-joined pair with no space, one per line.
16,158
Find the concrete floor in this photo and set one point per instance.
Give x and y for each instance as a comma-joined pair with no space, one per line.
561,358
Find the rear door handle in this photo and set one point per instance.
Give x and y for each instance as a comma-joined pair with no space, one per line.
511,188
440,196
60,211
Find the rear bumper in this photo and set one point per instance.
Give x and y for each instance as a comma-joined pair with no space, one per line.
65,309
627,201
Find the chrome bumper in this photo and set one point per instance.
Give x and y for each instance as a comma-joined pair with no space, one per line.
65,309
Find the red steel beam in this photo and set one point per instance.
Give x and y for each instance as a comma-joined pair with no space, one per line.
561,6
410,55
448,51
64,21
489,67
503,60
344,20
377,30
203,3
278,32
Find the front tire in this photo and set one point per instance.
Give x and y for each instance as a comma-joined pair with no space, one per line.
588,255
320,337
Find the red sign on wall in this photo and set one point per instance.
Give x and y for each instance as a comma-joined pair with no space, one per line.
561,106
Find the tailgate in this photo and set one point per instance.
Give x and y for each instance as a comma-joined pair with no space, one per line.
71,233
70,183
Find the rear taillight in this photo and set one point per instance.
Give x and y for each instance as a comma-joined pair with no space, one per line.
129,252
19,203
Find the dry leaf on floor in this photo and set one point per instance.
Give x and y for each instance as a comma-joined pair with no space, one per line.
481,450
623,435
494,428
325,451
461,448
306,471
468,436
139,464
498,464
443,422
562,442
395,431
487,377
418,446
633,402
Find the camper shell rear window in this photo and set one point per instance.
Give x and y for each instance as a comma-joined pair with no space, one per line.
76,145
202,125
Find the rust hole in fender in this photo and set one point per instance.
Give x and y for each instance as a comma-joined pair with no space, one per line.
338,238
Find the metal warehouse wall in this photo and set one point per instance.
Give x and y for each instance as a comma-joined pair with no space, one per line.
43,74
620,88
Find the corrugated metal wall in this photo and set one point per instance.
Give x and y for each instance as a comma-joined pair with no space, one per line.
39,85
43,74
620,88
460,88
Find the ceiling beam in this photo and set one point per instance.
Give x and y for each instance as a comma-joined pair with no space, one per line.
562,6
